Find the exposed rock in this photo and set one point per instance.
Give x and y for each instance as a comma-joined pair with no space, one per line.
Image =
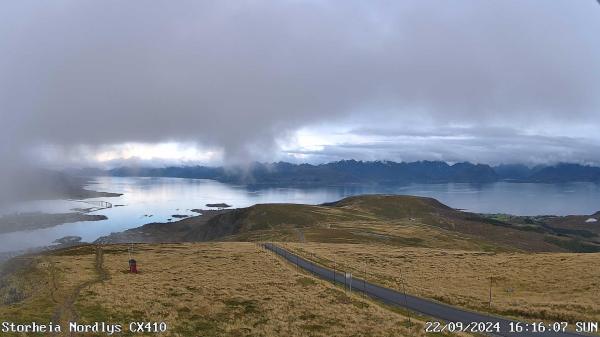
68,240
219,205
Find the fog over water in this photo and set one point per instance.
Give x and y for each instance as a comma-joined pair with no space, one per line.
164,197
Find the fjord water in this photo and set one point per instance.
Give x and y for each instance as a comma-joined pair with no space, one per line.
146,200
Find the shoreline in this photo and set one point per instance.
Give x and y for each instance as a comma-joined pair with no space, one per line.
569,232
157,232
32,221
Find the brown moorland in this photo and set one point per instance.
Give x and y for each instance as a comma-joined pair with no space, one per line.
198,289
535,286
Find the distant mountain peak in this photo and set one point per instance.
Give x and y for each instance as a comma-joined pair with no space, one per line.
369,172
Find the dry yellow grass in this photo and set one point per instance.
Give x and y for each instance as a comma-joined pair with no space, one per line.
547,286
41,288
404,233
211,289
229,289
403,221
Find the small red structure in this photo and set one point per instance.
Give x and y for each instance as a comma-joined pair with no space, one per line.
133,266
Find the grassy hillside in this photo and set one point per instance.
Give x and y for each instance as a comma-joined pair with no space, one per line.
403,221
268,217
208,289
389,219
393,206
576,233
540,286
42,288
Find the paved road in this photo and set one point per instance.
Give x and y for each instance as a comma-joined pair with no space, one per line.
438,311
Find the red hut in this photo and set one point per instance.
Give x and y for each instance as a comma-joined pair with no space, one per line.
133,266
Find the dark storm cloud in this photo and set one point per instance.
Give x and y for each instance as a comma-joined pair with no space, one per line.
238,75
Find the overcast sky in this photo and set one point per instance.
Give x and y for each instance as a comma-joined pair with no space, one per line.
227,82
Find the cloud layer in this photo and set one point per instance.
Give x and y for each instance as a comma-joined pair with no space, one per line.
240,76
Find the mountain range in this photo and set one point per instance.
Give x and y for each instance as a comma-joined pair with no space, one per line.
365,172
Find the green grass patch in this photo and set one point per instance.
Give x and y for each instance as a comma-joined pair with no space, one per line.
306,281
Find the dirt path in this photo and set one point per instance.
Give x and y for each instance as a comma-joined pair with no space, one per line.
65,312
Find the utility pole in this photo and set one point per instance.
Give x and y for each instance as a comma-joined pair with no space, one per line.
491,283
334,270
405,299
345,281
365,280
350,281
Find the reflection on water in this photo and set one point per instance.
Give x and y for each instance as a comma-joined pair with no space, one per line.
157,199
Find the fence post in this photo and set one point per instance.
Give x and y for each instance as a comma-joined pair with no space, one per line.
365,281
405,299
350,282
334,270
491,284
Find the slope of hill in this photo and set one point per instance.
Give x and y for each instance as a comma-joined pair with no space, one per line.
405,221
535,286
565,173
185,286
393,206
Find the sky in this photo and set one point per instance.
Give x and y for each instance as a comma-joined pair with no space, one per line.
110,83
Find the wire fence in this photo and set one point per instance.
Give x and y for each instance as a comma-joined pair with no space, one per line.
403,281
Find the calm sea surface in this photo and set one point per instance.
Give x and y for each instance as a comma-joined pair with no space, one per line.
147,200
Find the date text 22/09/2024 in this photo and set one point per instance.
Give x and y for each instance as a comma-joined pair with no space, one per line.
513,327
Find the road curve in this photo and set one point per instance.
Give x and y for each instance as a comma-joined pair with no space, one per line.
436,310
